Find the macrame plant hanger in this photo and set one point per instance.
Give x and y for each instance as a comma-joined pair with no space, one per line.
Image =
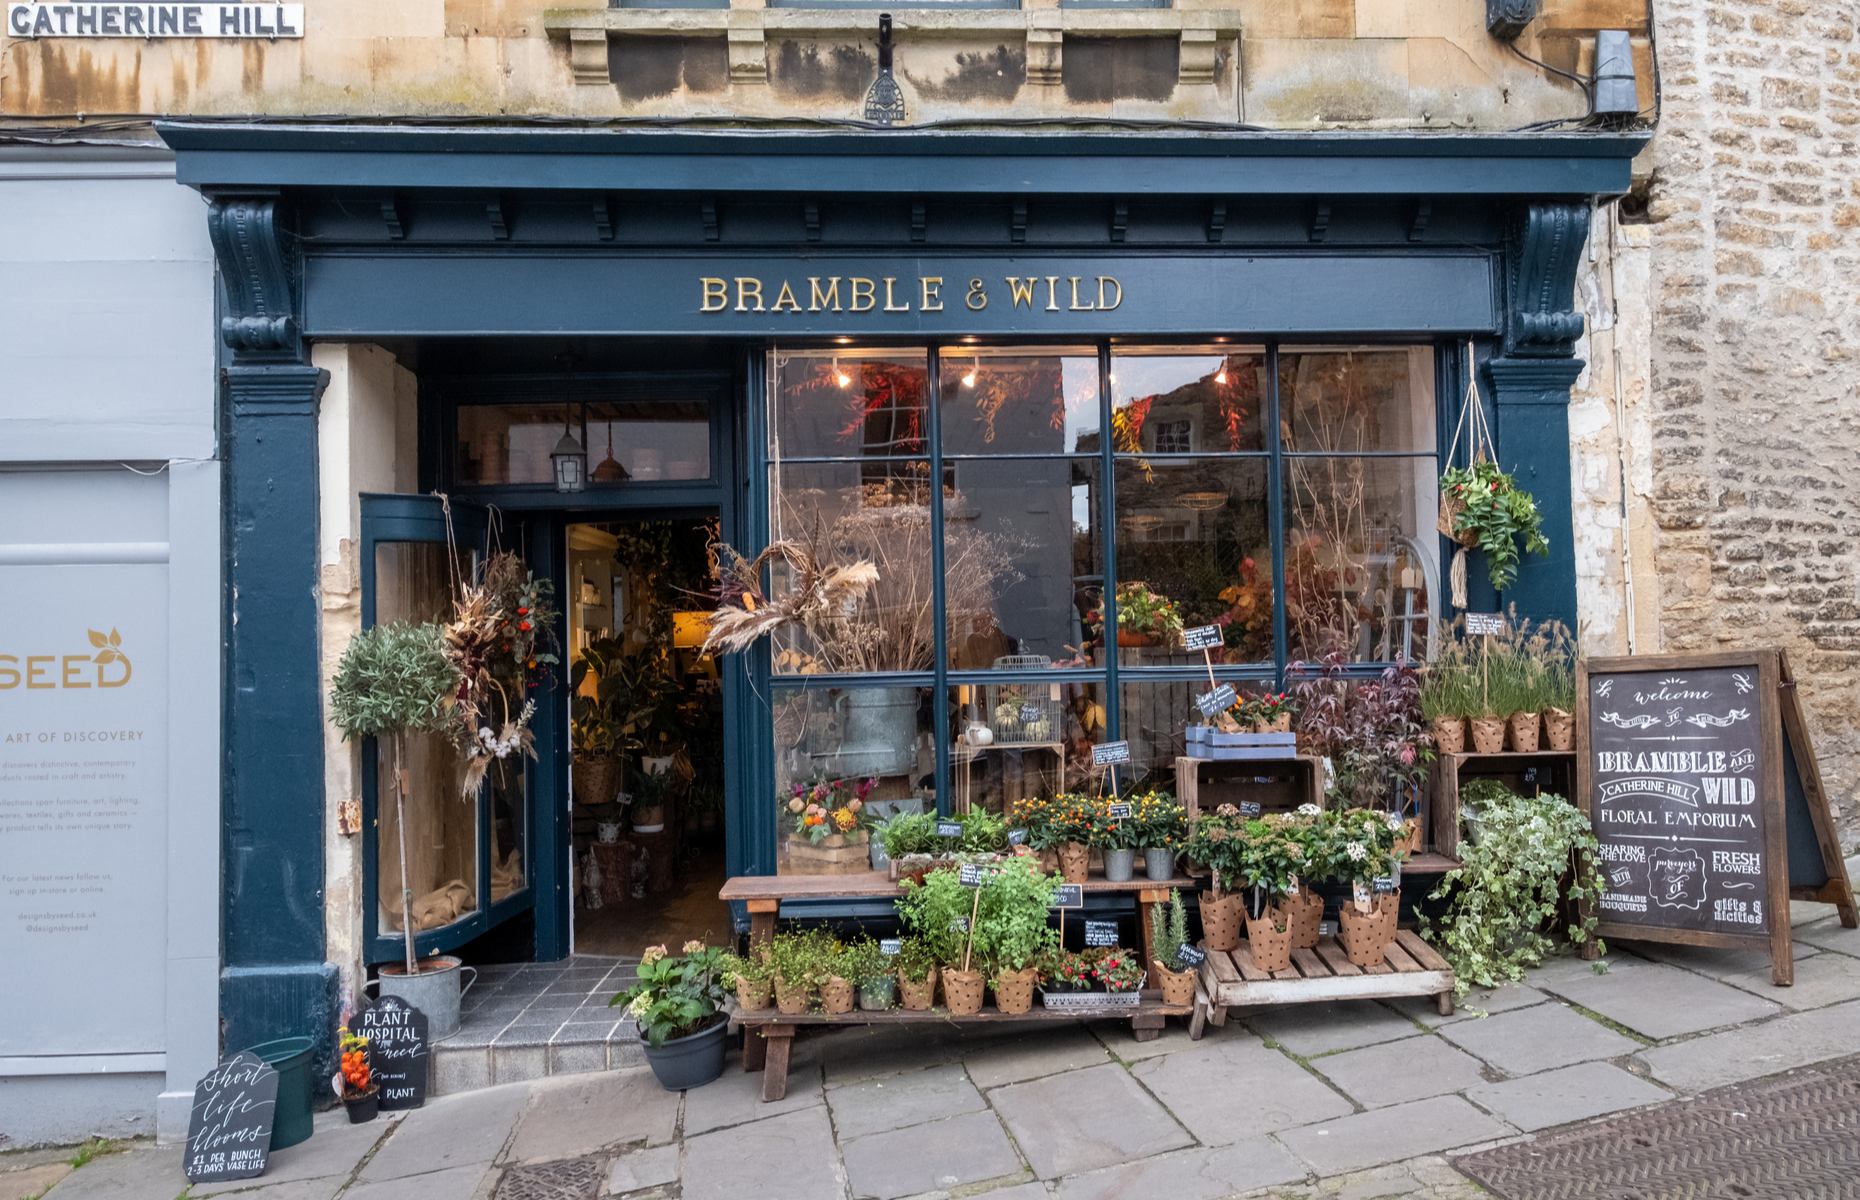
1478,449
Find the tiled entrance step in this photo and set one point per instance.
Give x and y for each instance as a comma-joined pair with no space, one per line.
528,1020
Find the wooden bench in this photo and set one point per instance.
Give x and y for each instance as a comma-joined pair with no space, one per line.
771,1033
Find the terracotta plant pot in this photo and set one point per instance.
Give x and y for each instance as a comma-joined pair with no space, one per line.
1366,936
917,997
1075,861
1559,729
1306,912
1449,735
1014,990
962,992
1270,945
753,994
836,995
1521,730
792,999
1220,920
1128,637
1488,735
1178,987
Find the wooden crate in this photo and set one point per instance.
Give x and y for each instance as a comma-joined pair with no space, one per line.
1526,774
1204,784
1411,967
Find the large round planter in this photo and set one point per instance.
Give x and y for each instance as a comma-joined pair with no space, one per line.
1521,731
1559,729
917,995
1220,920
1120,865
291,1116
690,1061
434,990
1488,735
962,991
1449,734
1159,863
1074,861
1270,945
1014,990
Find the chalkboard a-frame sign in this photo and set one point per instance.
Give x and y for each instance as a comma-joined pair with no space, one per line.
1698,775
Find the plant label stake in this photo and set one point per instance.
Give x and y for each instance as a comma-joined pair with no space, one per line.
1117,812
891,947
1204,638
949,829
968,929
1219,700
1017,837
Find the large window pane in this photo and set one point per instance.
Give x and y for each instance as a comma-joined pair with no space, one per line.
1022,740
852,403
627,441
1348,401
1361,556
1188,400
1155,717
1023,561
1020,401
847,736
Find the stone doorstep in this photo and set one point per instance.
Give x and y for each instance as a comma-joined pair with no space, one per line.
464,1068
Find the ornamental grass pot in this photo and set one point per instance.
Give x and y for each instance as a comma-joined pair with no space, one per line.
836,995
1014,990
877,995
1559,729
690,1061
1178,987
1220,919
962,991
1075,861
1269,937
792,999
1306,913
1488,735
1159,864
752,995
1366,935
1521,731
1119,865
917,995
1449,734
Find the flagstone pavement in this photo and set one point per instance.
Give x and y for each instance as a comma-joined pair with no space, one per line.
1364,1099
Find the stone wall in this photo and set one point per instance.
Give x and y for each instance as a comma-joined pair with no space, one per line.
1754,431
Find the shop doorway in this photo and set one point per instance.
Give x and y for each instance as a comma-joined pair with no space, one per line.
645,738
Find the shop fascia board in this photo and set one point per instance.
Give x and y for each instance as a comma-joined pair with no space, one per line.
233,155
862,22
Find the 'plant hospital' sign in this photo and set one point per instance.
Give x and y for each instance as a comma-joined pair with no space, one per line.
893,294
155,20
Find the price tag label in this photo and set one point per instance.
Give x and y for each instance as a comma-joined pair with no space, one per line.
891,947
1101,933
1384,885
1217,701
1327,929
1117,812
1017,837
1029,713
949,829
1202,637
1069,895
1105,754
1250,808
959,925
1189,956
1484,623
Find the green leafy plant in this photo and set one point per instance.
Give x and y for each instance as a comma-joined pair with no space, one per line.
1011,929
1119,971
982,832
393,680
1218,844
803,958
1141,611
1508,888
753,967
863,962
936,912
1168,929
676,995
914,959
1492,514
910,833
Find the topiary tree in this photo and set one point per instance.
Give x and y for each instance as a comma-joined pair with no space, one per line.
393,680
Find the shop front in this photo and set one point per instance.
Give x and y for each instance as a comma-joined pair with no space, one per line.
1061,394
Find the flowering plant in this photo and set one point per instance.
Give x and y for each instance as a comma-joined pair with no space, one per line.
1119,971
1156,817
1217,842
1361,844
1142,611
676,995
1490,512
1069,971
827,807
1263,709
357,1078
1066,817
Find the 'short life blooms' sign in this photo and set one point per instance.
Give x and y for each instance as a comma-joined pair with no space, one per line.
155,20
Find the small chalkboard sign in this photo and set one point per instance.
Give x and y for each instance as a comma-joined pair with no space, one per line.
973,874
1029,713
1250,808
1188,957
1101,933
949,829
1017,837
1105,754
891,947
1217,701
399,1052
229,1131
1697,773
1069,895
959,925
1202,637
1117,812
1384,885
1478,624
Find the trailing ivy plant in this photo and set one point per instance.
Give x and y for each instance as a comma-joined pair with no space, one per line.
1507,891
1492,514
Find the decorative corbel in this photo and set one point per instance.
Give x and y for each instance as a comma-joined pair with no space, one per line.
1200,51
749,54
1045,57
1544,249
262,273
587,57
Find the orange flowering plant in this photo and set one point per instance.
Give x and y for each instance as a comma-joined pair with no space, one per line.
829,807
1051,821
1159,821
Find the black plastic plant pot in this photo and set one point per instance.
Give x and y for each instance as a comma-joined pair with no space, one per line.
690,1061
363,1107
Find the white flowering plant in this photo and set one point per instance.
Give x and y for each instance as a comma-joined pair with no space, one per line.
676,995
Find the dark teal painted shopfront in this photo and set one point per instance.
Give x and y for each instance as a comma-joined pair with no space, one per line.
687,260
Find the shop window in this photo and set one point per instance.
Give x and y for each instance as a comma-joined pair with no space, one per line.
1019,401
869,744
1023,738
628,441
856,404
1160,396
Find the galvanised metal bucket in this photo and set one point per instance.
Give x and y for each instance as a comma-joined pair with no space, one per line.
435,991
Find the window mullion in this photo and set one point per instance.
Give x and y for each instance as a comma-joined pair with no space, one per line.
1107,517
939,702
1275,509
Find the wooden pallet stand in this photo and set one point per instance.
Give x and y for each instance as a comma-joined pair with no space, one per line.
1411,967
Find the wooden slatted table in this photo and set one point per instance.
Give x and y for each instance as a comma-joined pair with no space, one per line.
1411,967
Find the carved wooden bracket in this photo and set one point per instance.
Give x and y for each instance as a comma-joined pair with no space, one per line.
261,269
1545,250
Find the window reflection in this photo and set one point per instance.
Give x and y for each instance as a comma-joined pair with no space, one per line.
1019,401
853,404
1205,400
1023,740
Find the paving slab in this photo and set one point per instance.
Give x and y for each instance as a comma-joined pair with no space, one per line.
473,1182
1662,1001
1560,967
868,1052
1538,1038
336,1148
1194,1174
1778,1045
654,1167
580,1114
1399,1071
1308,1030
1174,1037
1715,961
326,1188
735,1098
145,1173
29,1183
1820,980
1083,1120
1196,1086
1032,1190
1386,1135
1033,1052
896,1101
1479,1002
790,1157
450,1131
1566,1094
938,1156
1829,934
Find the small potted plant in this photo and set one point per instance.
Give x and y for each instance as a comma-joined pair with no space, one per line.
1120,971
1559,694
1070,827
1068,972
1312,835
361,1095
864,962
1117,837
827,834
797,967
937,911
752,977
1367,842
1144,618
1271,860
1161,825
916,976
1269,712
648,799
677,1002
1449,692
1484,509
1168,934
1217,846
1011,929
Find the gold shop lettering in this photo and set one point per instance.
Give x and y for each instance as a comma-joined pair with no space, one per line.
895,294
107,667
